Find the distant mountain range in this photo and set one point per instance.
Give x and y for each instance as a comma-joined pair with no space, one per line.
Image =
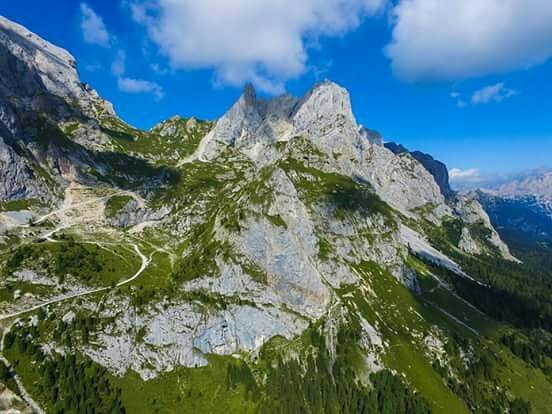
521,206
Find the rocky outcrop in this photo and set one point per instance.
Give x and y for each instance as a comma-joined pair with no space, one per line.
467,243
470,211
11,403
135,212
18,179
436,168
175,126
180,335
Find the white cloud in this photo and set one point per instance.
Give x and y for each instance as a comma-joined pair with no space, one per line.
130,85
493,93
93,27
265,42
469,175
118,67
487,94
454,39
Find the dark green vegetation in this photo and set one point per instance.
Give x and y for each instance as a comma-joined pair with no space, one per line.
465,376
509,294
17,205
183,137
341,192
62,384
520,293
116,204
533,346
86,262
318,383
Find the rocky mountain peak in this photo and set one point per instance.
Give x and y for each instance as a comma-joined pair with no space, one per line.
249,95
42,74
326,107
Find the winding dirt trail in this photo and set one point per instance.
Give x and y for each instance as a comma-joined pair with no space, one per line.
66,222
145,262
23,392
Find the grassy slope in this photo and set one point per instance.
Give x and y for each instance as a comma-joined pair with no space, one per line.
27,372
162,149
397,311
18,205
185,390
117,263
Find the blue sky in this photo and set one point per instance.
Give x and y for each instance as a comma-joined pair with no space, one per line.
464,80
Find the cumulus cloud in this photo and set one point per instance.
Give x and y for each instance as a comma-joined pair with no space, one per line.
130,85
454,39
492,93
470,175
265,42
93,27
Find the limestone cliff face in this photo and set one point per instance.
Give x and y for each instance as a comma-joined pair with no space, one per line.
18,179
39,76
40,90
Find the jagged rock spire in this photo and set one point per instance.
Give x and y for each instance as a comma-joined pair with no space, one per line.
249,95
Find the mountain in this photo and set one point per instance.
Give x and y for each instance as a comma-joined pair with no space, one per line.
536,184
521,208
525,216
436,168
279,259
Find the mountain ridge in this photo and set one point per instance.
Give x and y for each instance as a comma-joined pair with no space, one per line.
278,251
